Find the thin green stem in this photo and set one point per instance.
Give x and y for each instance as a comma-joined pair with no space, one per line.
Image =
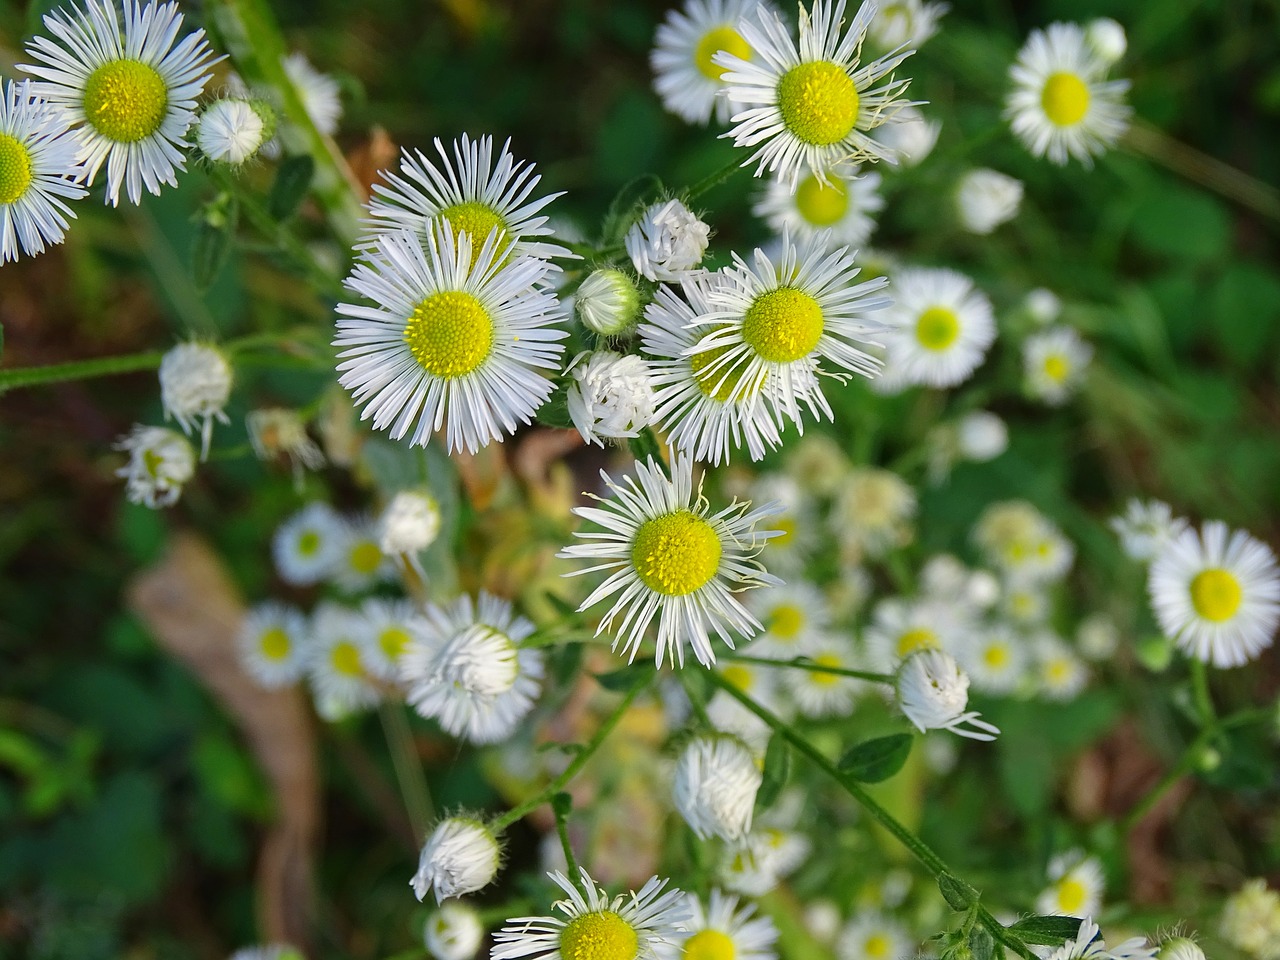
78,370
811,666
918,848
713,180
575,767
1200,692
413,784
561,804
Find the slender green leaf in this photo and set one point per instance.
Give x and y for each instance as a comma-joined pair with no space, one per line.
875,760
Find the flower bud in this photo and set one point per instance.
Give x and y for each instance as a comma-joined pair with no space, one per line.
409,524
608,302
1107,39
460,857
233,130
195,383
715,789
610,396
986,198
667,242
453,932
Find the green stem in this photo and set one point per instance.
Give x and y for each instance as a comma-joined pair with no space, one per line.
561,804
713,180
78,370
579,761
404,757
812,667
932,862
1200,692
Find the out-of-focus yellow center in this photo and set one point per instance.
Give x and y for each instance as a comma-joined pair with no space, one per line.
995,657
1065,99
786,621
822,205
274,644
365,557
918,639
709,945
1056,367
713,41
1071,895
393,640
826,660
1216,594
345,658
937,328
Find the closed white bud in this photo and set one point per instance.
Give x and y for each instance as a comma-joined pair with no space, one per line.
1107,39
1043,306
461,856
453,932
610,396
715,788
608,302
195,384
986,198
409,524
667,242
233,130
983,589
160,462
981,436
1180,948
933,692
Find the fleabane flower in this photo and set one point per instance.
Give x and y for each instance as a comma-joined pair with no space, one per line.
1054,364
941,326
1251,920
901,627
160,462
933,692
1216,593
451,340
986,198
905,23
453,932
843,203
685,78
994,657
306,546
341,682
38,170
272,644
318,92
757,864
409,524
871,512
388,626
1145,527
1062,105
981,436
668,557
725,931
825,692
233,130
794,615
475,192
872,935
195,384
643,925
129,84
667,242
359,562
1076,884
610,396
809,101
911,137
461,856
1060,672
715,786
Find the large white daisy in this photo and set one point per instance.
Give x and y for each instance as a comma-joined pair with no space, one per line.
668,556
941,326
131,86
451,338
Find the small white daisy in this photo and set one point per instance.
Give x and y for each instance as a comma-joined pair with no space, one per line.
723,931
465,669
872,512
450,338
131,87
1076,884
940,326
38,170
1061,104
843,203
1145,527
986,198
359,562
762,860
810,102
160,462
818,693
318,92
453,932
1054,364
461,856
669,557
610,395
272,643
716,780
474,192
644,925
1216,593
689,84
1060,672
195,384
388,624
933,692
794,616
705,409
1023,543
1024,601
667,242
995,659
901,627
908,23
871,935
341,683
911,137
306,546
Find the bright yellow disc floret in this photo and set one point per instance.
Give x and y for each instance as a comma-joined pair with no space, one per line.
783,325
15,169
818,102
1216,594
599,936
713,41
676,553
449,333
1065,99
125,100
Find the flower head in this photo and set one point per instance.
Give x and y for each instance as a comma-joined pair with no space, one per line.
667,242
1054,364
160,462
1251,920
872,935
986,198
233,130
1076,884
195,384
1145,528
933,692
905,23
610,396
725,931
318,91
409,524
341,681
715,786
306,546
940,327
461,856
272,644
608,302
453,932
842,205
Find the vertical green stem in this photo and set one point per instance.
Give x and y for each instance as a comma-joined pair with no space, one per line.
413,784
1200,692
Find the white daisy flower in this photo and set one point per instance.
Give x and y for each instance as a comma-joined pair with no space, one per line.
232,131
727,714
716,781
818,693
466,670
911,137
160,462
453,932
1054,364
272,643
318,92
274,431
1107,39
341,683
388,624
667,242
306,546
1076,884
940,326
359,562
689,84
450,338
843,203
795,519
723,931
1216,593
1251,920
871,935
872,511
610,395
1145,528
810,104
461,856
131,87
1043,306
38,170
770,320
195,384
607,302
1024,601
1060,671
474,193
905,23
409,524
668,557
995,659
986,198
1023,543
762,860
818,463
1061,104
794,616
933,692
901,627
705,409
639,926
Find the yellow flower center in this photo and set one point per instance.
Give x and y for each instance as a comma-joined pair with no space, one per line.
713,41
477,221
783,325
365,557
450,334
709,945
1065,99
818,102
719,381
1071,895
788,527
1056,367
274,644
917,639
599,936
308,543
393,640
786,621
825,660
345,659
676,554
876,945
937,328
1058,671
738,676
995,657
1216,594
125,100
15,169
822,205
